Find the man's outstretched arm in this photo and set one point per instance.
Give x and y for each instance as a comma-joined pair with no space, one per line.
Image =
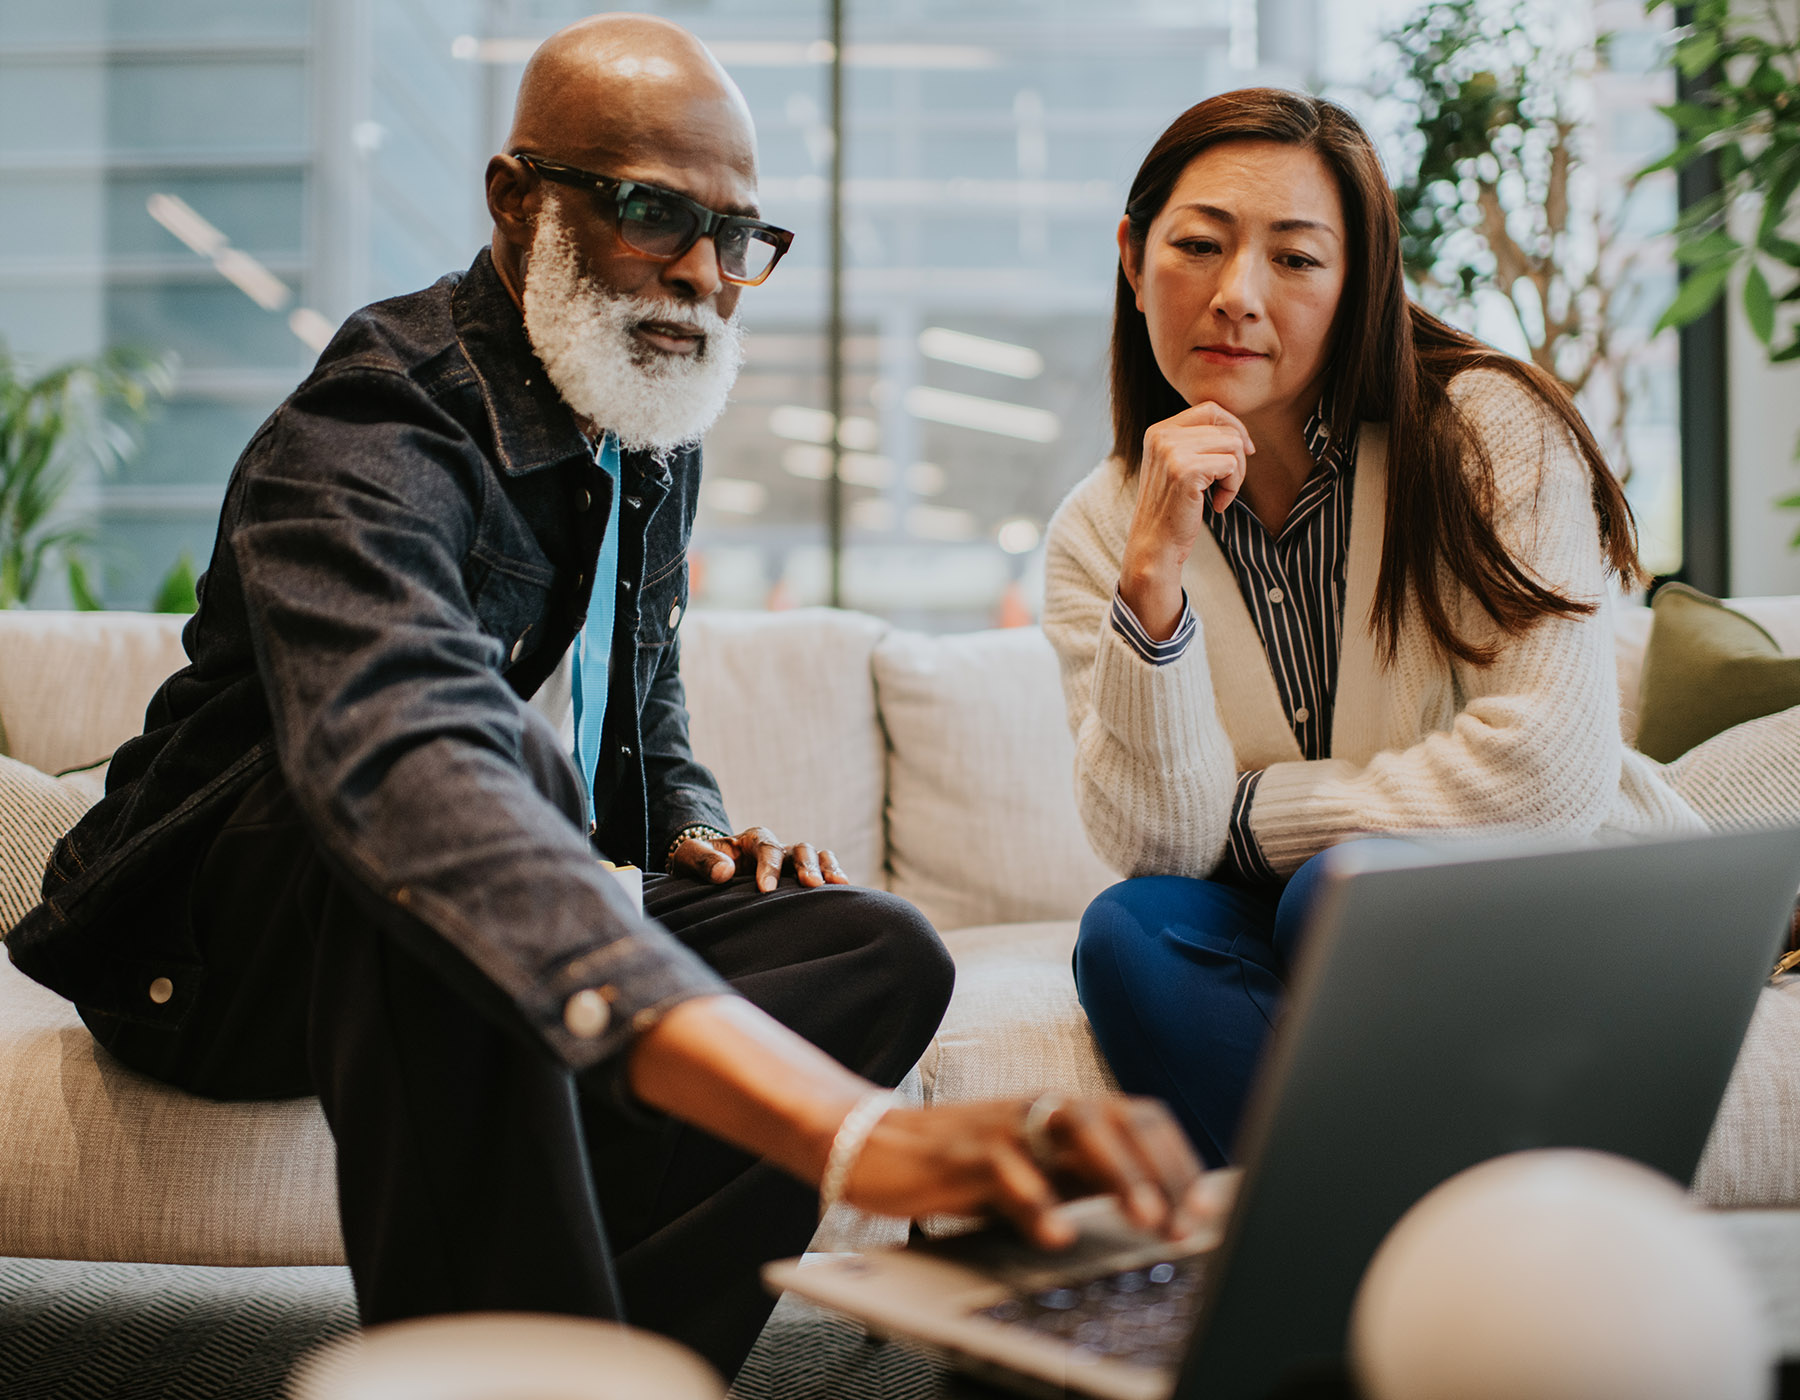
725,1066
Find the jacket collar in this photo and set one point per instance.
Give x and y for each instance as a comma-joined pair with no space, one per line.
533,427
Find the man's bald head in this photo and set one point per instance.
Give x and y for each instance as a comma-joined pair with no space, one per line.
621,88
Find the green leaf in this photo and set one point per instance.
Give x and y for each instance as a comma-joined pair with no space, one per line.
1699,291
1694,55
1786,354
1776,246
1759,304
177,592
81,588
1717,244
1675,159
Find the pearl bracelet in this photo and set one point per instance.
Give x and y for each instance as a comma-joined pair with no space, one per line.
847,1145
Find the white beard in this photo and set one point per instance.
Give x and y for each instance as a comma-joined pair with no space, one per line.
653,400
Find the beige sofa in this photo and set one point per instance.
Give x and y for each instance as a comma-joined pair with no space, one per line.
938,767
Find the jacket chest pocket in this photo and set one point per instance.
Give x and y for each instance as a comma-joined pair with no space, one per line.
662,606
511,603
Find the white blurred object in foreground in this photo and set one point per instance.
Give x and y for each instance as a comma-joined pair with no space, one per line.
1557,1275
506,1356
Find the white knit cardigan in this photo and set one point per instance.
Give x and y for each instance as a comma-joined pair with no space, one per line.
1425,743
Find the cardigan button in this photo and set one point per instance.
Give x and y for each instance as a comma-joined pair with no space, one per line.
1301,715
161,990
1277,597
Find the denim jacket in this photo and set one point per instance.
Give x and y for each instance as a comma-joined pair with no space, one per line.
404,554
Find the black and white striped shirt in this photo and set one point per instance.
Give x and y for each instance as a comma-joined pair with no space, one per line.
1293,585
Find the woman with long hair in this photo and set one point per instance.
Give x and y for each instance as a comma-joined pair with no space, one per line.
1346,573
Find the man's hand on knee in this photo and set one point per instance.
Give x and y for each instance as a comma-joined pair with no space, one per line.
715,859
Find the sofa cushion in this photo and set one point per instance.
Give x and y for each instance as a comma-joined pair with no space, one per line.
1752,1157
982,826
73,685
1747,777
1706,669
1013,1028
102,1163
782,709
35,810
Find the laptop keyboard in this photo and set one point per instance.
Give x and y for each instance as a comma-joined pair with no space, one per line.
1143,1316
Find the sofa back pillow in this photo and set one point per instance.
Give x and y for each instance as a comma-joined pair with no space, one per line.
73,685
1707,667
781,708
35,810
982,826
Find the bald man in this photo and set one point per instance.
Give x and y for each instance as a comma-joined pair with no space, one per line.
347,858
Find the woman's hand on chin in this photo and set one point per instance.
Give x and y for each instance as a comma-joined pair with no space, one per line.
1193,459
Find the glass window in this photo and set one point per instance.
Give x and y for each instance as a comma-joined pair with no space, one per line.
989,144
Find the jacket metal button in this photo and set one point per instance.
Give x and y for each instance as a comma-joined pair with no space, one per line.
518,647
634,501
161,990
586,1014
675,617
624,750
583,499
625,585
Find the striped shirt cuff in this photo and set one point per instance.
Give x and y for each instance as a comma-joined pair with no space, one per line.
1241,847
1125,623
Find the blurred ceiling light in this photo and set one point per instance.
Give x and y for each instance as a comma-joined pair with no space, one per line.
926,479
944,523
732,494
312,328
977,352
873,514
237,267
811,463
1018,535
799,424
765,53
252,279
984,415
181,219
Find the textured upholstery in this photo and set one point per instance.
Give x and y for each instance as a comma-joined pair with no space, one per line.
980,829
982,826
35,810
73,686
102,1163
1014,1028
1749,776
783,711
1753,1155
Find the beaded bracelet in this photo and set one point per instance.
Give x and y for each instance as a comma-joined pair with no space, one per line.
847,1145
693,831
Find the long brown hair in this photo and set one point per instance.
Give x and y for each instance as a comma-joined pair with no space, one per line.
1390,362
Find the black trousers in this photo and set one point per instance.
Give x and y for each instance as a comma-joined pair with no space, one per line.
474,1171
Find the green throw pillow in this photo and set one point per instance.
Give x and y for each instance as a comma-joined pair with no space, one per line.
1706,668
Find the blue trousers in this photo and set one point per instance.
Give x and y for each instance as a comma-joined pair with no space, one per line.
1182,980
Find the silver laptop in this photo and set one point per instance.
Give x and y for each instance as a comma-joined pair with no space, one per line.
1451,1004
